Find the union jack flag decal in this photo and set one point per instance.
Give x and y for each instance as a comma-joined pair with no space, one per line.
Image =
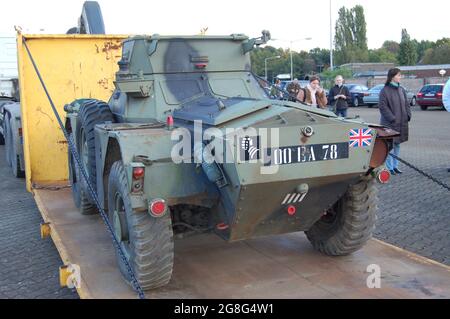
360,137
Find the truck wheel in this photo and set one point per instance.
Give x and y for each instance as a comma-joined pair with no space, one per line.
146,241
347,226
92,19
80,198
92,112
7,141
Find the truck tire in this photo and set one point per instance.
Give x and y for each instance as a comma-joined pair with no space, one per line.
92,19
80,198
7,141
349,224
146,241
92,112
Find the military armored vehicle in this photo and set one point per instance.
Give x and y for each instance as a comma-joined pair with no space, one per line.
275,167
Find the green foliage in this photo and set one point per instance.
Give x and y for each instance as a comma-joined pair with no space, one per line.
328,76
382,55
407,54
351,36
438,55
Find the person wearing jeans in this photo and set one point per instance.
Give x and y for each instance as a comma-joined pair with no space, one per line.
395,114
339,95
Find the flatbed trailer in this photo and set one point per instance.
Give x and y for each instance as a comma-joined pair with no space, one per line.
285,266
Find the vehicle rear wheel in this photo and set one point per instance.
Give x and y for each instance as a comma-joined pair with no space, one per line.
355,102
7,141
348,225
15,164
147,241
80,198
423,108
413,101
92,112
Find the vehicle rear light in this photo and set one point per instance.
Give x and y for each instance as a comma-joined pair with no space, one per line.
158,207
291,210
201,65
138,172
137,184
169,122
439,95
419,94
384,176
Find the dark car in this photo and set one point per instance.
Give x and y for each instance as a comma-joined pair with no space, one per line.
430,95
357,93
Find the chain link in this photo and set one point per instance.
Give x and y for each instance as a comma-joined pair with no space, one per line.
418,170
91,190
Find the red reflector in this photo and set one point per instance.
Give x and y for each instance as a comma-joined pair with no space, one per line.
222,226
201,65
291,210
170,122
138,172
158,207
384,176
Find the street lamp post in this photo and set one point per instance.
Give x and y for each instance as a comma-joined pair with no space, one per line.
265,63
290,51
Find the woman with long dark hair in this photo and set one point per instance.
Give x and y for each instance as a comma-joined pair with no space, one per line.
395,114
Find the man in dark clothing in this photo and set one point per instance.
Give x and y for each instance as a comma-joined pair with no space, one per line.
293,88
339,95
395,114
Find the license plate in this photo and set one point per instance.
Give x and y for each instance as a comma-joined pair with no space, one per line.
430,94
306,154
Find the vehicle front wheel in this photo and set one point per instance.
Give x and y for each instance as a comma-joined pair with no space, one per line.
413,101
348,225
146,241
355,102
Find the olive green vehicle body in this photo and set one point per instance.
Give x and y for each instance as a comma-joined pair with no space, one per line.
209,78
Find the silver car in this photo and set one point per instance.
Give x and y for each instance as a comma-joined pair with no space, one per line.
373,97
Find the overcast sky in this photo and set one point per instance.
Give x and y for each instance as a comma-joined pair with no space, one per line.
287,20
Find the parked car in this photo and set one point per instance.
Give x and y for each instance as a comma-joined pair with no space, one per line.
373,97
357,93
430,95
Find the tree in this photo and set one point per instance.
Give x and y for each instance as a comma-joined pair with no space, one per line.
391,46
382,55
438,55
407,54
351,36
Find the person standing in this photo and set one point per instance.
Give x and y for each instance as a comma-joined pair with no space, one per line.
395,114
293,88
275,91
339,97
313,94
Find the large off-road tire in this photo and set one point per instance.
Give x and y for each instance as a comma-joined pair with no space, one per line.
347,227
80,198
92,19
146,241
92,112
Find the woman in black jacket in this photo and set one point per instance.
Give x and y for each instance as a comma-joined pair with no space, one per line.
395,114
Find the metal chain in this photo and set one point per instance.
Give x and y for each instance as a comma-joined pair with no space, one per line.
91,190
430,177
